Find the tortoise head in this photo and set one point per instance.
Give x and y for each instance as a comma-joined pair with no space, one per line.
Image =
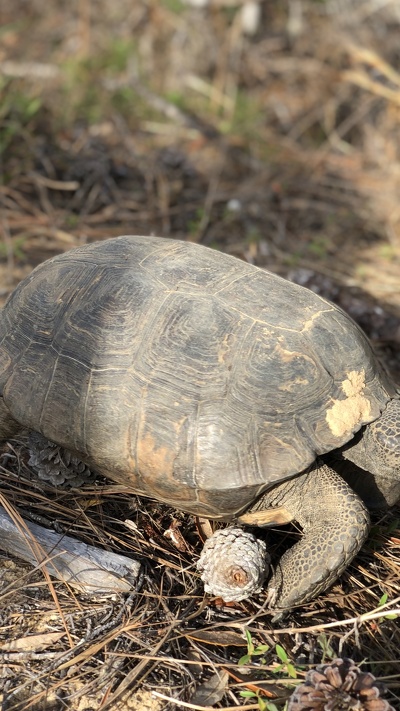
378,451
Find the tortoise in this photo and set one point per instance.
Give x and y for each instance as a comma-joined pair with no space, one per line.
211,385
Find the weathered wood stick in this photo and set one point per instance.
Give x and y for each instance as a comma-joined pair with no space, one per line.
90,569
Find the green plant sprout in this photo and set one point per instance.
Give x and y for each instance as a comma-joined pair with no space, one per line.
253,651
286,665
389,615
263,704
327,651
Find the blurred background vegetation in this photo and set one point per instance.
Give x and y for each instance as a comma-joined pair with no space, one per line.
267,129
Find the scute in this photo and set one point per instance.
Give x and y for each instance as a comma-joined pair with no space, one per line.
185,373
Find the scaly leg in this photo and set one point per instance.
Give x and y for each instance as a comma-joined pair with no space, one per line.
335,524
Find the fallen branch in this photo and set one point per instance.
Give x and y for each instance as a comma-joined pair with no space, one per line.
90,569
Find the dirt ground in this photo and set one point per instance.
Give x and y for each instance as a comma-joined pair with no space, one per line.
277,142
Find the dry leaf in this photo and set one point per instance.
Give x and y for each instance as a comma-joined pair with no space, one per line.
224,638
174,535
212,690
32,643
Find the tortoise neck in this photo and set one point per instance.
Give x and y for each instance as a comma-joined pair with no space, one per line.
357,451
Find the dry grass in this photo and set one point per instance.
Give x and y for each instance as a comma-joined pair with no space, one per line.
63,650
282,148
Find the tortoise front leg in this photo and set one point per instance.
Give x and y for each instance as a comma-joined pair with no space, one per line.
335,524
8,426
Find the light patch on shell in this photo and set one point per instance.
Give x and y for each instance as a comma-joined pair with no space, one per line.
153,459
345,415
292,385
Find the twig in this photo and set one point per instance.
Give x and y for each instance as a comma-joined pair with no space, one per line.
186,705
38,70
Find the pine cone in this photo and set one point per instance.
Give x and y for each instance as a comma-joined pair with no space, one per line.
56,464
234,564
340,685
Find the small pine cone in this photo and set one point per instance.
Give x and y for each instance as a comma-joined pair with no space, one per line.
339,685
233,564
56,464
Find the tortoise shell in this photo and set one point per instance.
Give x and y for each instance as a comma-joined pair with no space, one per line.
184,373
